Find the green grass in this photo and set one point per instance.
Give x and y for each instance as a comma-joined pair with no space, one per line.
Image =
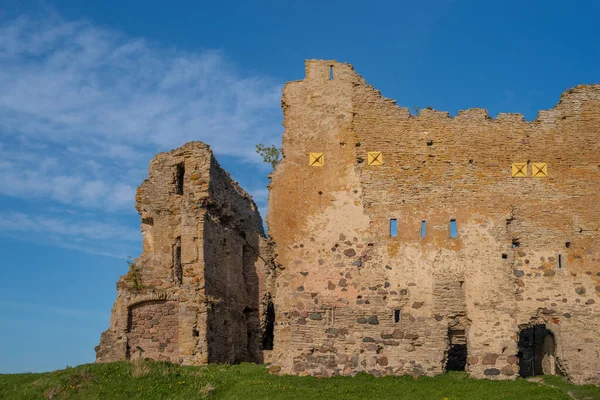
160,380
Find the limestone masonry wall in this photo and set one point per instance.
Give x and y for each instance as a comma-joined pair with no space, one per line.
399,244
353,297
186,298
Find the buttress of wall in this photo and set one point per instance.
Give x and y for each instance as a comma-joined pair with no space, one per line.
237,271
345,276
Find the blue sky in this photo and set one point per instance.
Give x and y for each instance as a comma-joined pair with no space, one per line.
90,91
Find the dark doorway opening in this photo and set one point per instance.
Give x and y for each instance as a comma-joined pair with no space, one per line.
537,352
457,352
457,357
268,336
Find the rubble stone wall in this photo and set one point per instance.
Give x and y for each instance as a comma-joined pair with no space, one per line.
153,327
479,259
343,276
236,273
196,221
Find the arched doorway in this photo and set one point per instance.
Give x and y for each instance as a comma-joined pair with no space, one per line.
537,351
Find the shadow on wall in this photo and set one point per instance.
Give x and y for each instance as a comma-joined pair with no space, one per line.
268,335
234,331
239,312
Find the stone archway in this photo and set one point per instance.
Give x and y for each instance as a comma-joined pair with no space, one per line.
537,351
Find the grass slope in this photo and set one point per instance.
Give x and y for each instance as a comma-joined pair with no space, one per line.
159,380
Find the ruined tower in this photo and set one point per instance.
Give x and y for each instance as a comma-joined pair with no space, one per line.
200,290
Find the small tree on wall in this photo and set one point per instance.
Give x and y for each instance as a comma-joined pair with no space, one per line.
270,154
417,109
134,275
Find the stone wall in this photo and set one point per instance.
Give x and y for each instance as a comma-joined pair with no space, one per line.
204,271
153,326
518,277
237,273
344,278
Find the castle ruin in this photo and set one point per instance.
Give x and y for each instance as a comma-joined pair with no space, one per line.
398,244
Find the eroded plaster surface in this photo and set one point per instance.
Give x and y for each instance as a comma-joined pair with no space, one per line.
344,276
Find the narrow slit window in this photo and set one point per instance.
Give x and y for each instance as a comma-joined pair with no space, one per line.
177,269
397,316
331,72
423,228
561,261
179,173
393,227
453,229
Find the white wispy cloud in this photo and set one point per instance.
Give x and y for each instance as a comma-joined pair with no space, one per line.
84,108
17,221
71,82
74,231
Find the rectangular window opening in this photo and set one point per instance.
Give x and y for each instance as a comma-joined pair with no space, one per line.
393,227
423,229
453,229
179,173
396,316
329,315
331,72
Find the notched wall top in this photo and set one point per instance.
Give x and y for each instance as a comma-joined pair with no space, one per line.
572,102
439,233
